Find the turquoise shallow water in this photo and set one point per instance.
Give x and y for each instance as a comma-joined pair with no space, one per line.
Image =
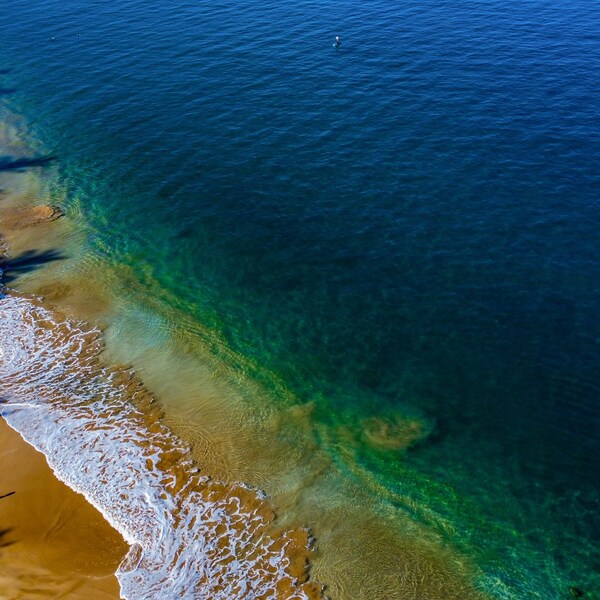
405,225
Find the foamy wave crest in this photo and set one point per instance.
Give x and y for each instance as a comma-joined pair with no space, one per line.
102,434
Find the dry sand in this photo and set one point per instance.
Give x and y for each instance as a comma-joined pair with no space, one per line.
53,543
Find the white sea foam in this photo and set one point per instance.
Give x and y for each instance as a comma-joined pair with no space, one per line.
102,435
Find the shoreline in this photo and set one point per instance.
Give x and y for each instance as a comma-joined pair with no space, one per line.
54,540
346,532
124,411
356,290
296,545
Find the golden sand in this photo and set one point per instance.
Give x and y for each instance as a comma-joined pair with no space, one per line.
54,544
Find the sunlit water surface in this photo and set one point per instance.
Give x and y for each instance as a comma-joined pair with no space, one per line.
363,279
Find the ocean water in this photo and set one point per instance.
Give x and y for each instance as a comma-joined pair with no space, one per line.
363,279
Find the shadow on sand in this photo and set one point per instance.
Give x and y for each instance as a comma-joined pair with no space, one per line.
4,532
4,543
8,163
27,262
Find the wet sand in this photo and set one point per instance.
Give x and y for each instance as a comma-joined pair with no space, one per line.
54,544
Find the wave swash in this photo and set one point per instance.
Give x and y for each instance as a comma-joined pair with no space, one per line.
101,432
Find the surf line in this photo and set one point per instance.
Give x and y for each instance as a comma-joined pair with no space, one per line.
102,434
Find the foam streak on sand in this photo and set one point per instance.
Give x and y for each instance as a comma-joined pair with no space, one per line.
101,432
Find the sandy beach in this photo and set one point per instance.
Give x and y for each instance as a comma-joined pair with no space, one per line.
53,543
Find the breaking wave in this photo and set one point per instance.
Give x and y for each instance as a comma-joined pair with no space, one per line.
101,432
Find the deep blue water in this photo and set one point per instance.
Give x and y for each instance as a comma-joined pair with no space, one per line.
408,220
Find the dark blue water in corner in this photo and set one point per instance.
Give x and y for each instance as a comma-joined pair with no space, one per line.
409,220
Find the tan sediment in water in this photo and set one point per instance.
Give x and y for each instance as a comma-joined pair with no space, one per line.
53,543
35,215
359,555
34,232
364,551
47,564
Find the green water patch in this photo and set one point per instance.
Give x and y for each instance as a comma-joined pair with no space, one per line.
407,402
412,456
